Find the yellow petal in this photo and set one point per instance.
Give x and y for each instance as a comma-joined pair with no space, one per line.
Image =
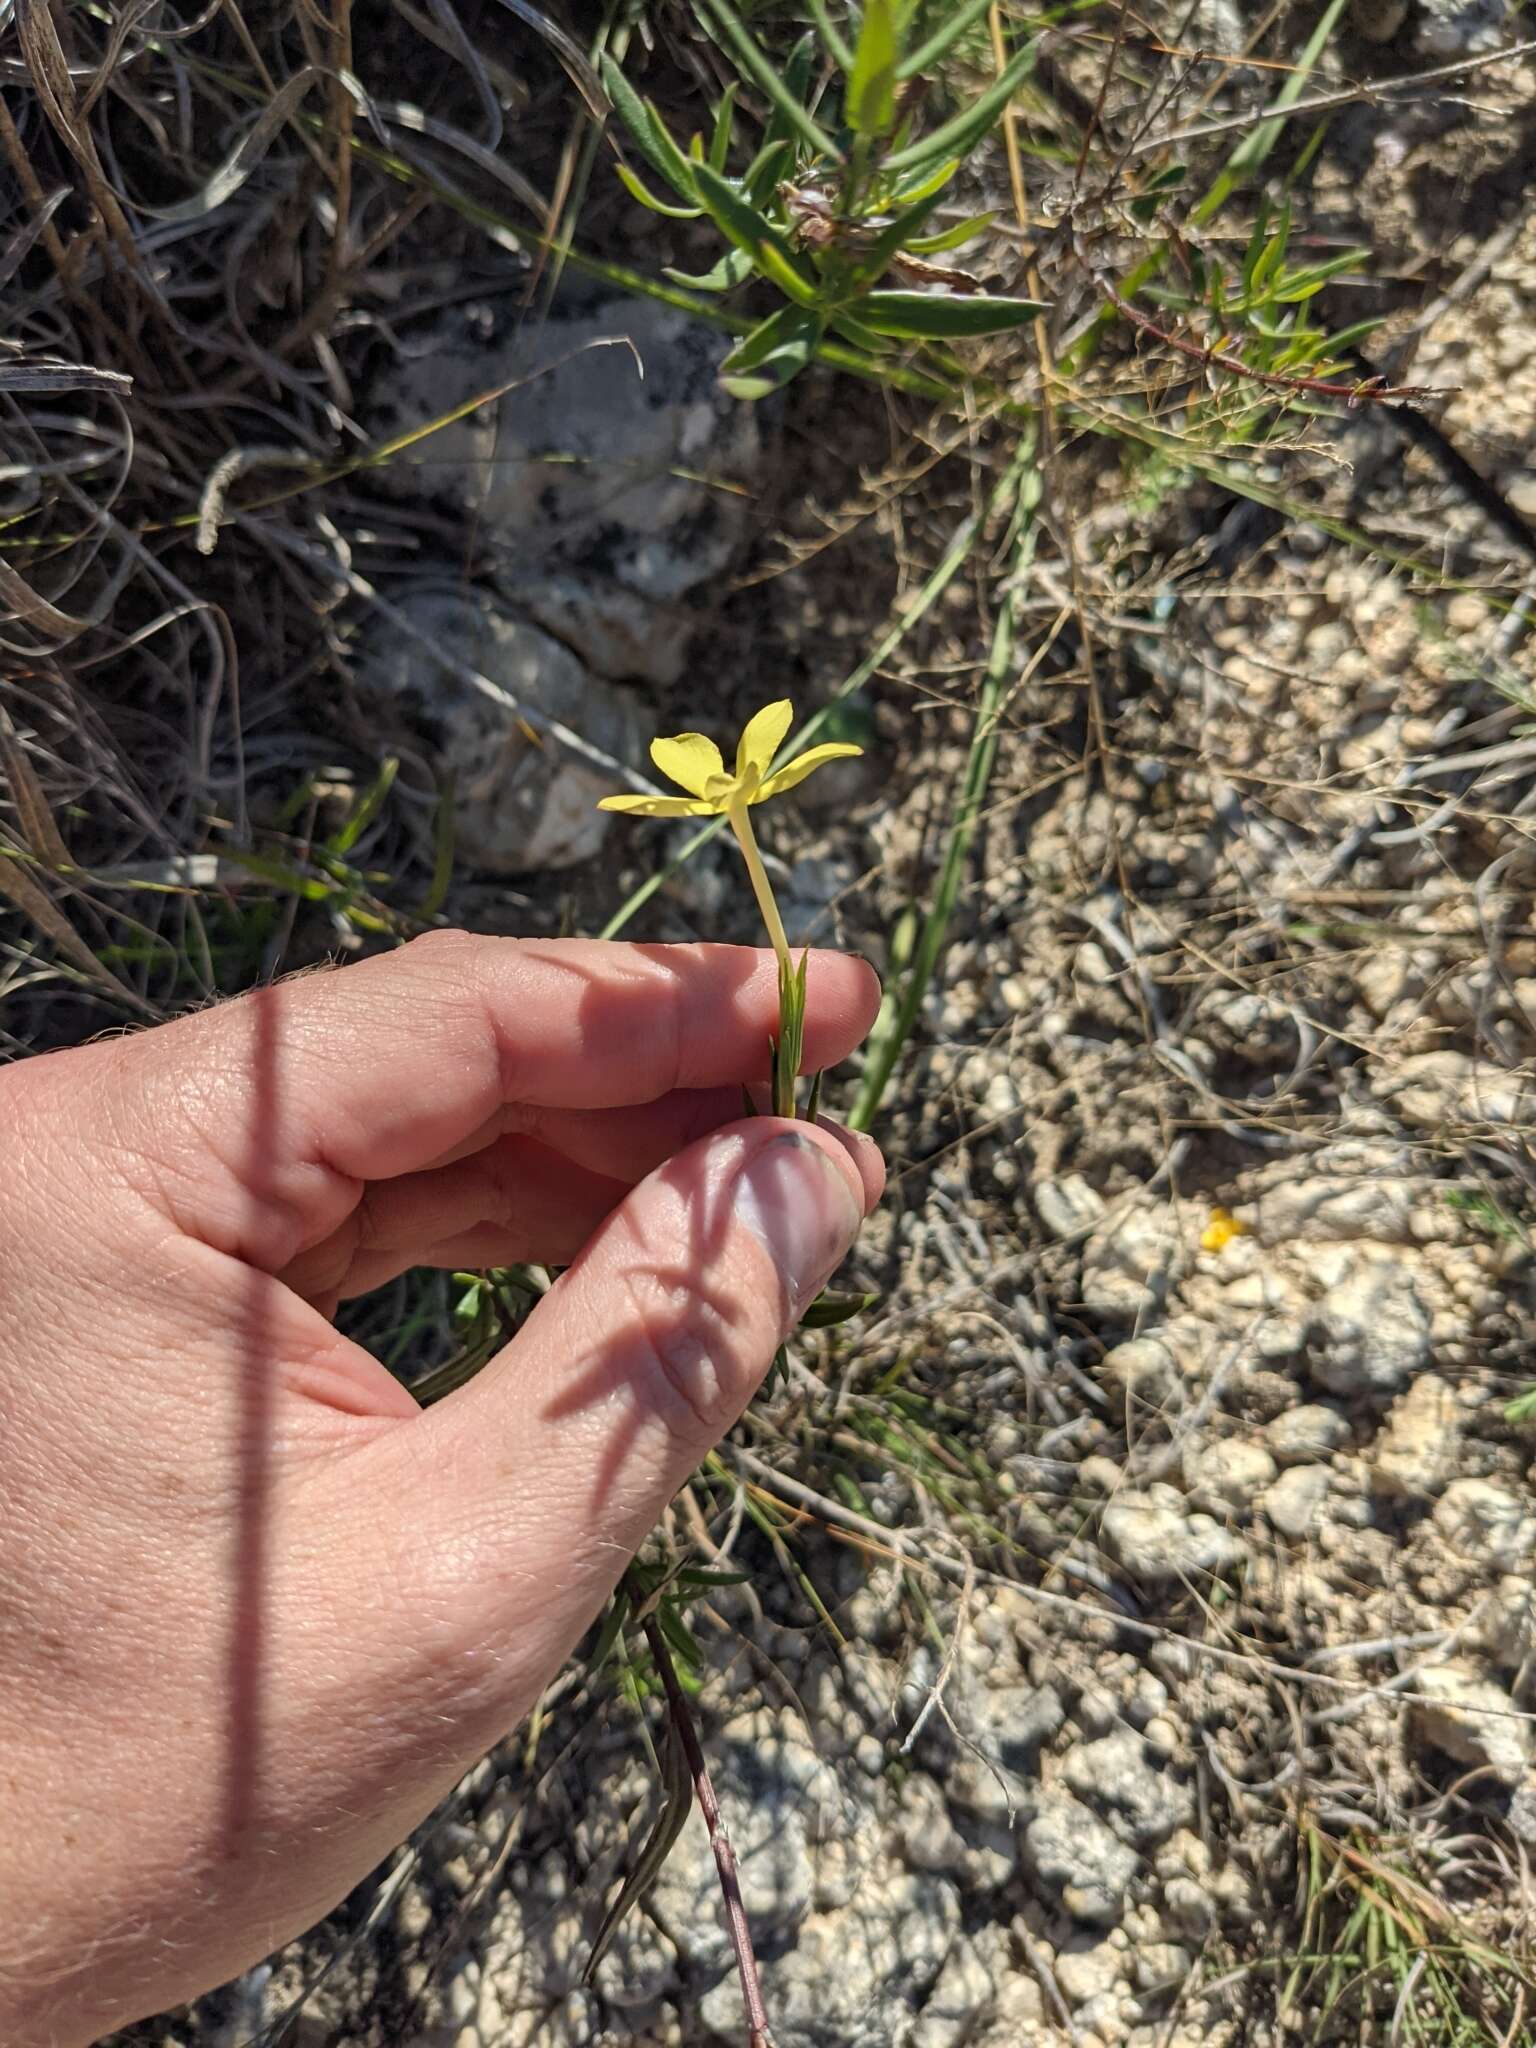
763,738
659,806
691,761
803,765
1221,1230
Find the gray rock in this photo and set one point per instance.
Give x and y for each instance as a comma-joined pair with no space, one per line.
1487,1524
779,1799
1471,1719
1226,1478
1447,29
1153,1536
1370,1332
1144,1369
1302,1435
1434,1089
1087,1969
1079,1860
1189,1906
1419,1449
1068,1207
853,1978
1377,20
929,1839
1128,1262
990,1774
1161,1966
958,2005
599,496
1330,1209
1142,1804
1296,1499
519,803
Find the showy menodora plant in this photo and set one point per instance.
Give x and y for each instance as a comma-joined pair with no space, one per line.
695,764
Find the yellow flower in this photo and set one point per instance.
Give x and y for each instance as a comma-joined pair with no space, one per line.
1221,1230
694,763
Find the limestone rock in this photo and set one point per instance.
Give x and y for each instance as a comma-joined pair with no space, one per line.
596,488
1077,1859
1226,1478
520,802
1471,1719
1115,1775
1304,1434
1418,1451
1154,1536
1295,1501
1487,1524
1370,1332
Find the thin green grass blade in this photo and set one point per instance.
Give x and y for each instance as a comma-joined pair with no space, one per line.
957,136
943,39
896,1025
1253,151
728,29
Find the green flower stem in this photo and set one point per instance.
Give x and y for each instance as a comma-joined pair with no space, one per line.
791,1039
741,825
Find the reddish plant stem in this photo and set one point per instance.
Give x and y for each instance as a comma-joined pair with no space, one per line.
1365,391
758,2035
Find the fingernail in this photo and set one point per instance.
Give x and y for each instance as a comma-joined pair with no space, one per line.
798,1204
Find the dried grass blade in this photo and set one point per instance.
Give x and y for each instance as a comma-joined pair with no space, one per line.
14,254
245,156
29,898
23,602
32,806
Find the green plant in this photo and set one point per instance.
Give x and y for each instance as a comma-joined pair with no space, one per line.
826,215
1380,1947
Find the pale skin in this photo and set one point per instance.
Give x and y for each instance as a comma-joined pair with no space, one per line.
257,1610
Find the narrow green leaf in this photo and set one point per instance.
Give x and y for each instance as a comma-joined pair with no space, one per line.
956,237
870,102
1349,338
1297,285
943,39
343,840
613,1624
854,330
652,136
919,187
1256,243
637,190
776,350
837,44
676,1804
827,1310
924,316
1255,147
761,176
798,70
725,118
959,135
734,268
740,222
731,33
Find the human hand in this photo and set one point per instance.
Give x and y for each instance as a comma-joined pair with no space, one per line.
257,1610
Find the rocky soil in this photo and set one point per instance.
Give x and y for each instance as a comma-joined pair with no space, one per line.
1207,1263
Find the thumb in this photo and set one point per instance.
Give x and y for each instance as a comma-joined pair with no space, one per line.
555,1462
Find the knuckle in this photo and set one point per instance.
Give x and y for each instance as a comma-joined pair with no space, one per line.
684,1364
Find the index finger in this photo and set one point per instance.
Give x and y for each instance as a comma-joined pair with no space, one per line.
299,1092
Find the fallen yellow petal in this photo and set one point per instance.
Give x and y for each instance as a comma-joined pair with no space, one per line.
1221,1230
